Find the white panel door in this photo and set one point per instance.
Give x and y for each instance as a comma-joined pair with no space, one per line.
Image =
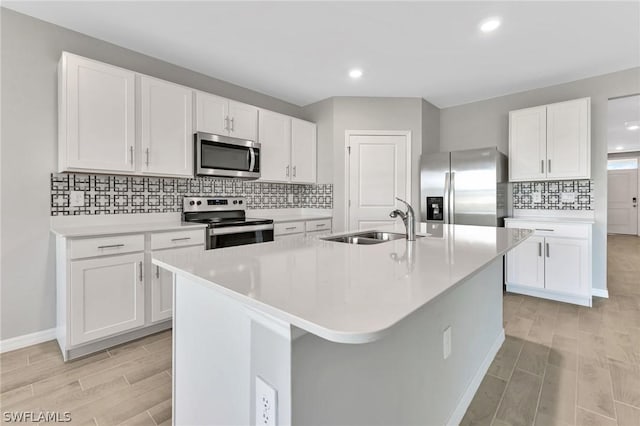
303,151
212,114
622,202
162,282
567,265
568,140
525,263
527,144
275,149
106,296
166,127
243,121
99,106
377,175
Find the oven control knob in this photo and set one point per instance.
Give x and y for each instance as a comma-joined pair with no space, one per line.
235,201
199,202
191,203
240,202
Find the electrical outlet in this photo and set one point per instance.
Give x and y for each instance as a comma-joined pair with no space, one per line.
537,197
266,403
76,198
446,342
567,197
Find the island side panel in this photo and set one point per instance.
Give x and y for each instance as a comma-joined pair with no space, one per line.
403,378
211,367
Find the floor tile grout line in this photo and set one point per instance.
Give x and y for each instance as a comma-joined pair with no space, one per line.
493,419
152,418
626,404
594,412
544,375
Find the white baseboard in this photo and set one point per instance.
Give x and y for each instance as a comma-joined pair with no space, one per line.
23,341
468,395
599,292
551,295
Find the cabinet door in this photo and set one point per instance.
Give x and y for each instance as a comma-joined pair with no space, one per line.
243,121
162,287
166,127
97,116
303,151
212,114
568,140
525,263
567,265
106,296
527,144
275,140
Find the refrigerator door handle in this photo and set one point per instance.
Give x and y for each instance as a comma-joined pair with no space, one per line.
446,206
452,197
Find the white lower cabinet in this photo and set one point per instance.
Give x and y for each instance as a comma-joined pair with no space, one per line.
554,264
310,227
107,296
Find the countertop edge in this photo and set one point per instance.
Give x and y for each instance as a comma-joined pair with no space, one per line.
102,230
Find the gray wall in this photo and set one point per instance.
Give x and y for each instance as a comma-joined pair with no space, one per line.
485,123
30,53
430,128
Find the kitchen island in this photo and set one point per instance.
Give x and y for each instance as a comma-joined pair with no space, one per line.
392,333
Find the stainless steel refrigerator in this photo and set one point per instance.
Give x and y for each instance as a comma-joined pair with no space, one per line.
464,187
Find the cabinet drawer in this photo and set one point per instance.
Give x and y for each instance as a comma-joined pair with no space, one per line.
288,228
550,229
105,246
318,225
162,240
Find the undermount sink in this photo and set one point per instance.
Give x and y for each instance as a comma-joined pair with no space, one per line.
369,237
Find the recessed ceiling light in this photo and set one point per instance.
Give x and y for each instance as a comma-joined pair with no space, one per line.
355,73
490,25
619,148
632,125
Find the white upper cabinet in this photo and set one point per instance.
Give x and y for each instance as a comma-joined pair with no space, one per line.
288,148
527,143
568,140
303,151
96,104
275,146
166,128
222,116
550,142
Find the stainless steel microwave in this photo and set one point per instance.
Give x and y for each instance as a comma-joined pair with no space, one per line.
224,156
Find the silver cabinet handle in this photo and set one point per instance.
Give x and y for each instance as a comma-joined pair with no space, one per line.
140,271
539,249
181,239
549,165
131,154
544,229
291,228
294,171
157,271
232,124
111,246
147,154
541,166
548,253
320,225
287,171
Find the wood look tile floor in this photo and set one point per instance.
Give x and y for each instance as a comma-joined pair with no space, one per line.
559,365
568,365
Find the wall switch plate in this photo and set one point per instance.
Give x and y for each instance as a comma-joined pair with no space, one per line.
76,198
446,343
537,197
266,403
568,197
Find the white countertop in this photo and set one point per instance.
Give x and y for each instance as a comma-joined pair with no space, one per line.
122,228
550,219
342,292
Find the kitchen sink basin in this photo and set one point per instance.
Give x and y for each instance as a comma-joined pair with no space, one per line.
369,237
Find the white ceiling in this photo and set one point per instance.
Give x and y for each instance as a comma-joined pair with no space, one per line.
301,51
621,111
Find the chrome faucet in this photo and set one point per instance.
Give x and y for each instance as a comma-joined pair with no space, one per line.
408,218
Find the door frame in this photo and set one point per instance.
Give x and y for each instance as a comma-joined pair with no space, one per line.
347,165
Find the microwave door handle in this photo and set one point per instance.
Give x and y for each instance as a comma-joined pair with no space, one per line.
252,161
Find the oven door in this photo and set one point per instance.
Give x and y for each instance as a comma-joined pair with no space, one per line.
239,235
218,155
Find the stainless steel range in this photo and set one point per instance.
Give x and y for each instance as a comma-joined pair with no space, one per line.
227,223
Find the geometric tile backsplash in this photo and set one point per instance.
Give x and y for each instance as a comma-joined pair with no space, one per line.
107,194
551,195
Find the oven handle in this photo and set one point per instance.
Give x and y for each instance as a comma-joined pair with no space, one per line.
252,162
239,229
